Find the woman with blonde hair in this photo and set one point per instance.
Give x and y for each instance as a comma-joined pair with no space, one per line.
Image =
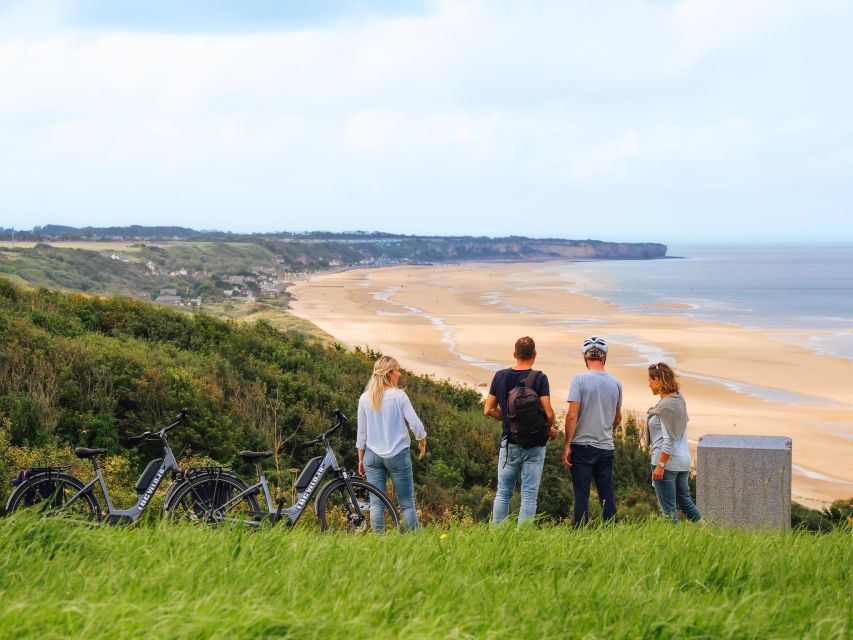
383,440
667,422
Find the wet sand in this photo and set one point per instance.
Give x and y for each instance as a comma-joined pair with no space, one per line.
461,321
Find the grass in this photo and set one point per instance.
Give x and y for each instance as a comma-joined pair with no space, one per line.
630,581
286,321
271,312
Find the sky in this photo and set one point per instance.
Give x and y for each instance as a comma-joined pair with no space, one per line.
623,120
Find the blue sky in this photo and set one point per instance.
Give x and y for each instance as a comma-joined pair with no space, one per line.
669,120
228,16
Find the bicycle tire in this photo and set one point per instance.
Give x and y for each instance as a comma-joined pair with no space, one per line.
47,492
170,491
335,510
206,499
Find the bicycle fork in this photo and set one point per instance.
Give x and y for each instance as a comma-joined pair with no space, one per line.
355,515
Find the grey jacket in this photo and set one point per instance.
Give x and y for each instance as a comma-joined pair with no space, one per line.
672,411
667,430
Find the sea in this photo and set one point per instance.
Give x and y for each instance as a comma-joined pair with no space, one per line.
771,286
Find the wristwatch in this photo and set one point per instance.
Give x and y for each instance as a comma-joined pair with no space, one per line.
662,465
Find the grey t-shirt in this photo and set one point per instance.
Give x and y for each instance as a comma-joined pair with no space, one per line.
599,395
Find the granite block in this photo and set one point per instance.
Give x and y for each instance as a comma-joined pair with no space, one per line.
744,481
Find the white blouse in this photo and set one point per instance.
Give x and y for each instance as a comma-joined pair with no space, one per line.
384,431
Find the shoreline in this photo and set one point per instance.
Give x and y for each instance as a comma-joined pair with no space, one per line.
459,321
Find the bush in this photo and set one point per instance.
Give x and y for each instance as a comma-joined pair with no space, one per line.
837,515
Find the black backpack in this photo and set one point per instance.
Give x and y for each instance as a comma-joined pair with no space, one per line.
527,423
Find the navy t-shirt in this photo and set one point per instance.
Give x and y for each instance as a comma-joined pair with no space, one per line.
506,380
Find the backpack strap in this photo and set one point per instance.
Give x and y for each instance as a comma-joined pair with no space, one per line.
530,379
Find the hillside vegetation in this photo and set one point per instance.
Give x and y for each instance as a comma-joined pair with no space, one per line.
648,580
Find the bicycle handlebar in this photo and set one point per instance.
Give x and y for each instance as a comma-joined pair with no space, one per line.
341,421
178,420
148,435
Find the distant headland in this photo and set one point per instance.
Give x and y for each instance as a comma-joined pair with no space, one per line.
362,247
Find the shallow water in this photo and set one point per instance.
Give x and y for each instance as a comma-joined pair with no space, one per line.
772,286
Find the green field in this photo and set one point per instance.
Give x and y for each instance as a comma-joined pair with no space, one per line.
647,580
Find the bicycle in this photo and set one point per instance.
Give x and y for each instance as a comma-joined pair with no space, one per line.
343,503
47,489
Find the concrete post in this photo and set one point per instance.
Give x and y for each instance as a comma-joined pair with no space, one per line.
744,481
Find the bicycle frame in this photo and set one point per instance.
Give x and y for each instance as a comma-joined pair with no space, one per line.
132,514
292,513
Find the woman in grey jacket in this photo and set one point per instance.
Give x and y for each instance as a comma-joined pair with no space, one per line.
667,422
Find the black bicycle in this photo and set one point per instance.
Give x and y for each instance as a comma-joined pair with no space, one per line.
215,495
51,491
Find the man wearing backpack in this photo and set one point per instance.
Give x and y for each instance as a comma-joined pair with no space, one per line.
521,399
595,409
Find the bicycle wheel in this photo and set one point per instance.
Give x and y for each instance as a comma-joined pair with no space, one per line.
214,500
47,493
336,511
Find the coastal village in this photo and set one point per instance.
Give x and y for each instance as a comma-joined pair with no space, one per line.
258,283
262,282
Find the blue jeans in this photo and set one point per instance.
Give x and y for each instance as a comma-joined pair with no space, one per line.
514,460
399,467
673,494
591,463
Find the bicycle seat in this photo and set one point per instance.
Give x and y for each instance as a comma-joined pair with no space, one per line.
249,456
83,452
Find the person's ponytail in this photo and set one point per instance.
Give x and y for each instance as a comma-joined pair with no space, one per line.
382,369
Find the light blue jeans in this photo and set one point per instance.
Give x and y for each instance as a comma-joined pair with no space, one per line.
515,461
673,494
399,467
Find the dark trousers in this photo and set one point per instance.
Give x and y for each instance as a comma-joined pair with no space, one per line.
590,463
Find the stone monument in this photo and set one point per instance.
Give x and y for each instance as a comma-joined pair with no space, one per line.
744,481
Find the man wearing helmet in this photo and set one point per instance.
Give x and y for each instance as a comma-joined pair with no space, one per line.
595,408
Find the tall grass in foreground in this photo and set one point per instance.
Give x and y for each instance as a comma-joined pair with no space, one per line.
632,580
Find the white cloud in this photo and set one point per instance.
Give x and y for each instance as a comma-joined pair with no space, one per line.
534,47
703,27
635,157
373,129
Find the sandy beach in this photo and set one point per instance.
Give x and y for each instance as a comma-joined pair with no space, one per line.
460,322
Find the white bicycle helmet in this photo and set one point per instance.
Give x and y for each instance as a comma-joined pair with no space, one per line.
594,347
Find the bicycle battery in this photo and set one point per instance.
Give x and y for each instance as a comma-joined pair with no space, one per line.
148,475
308,472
